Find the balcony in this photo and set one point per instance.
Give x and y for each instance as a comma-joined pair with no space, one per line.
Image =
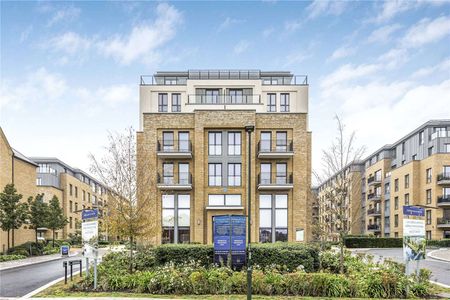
374,197
374,180
373,227
282,149
170,183
174,149
443,179
443,223
373,212
443,200
439,134
224,99
275,181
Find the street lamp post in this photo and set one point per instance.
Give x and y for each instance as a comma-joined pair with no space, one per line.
249,129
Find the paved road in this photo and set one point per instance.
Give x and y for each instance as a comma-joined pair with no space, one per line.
20,281
440,269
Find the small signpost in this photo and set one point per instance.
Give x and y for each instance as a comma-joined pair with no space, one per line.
414,241
64,250
89,235
229,240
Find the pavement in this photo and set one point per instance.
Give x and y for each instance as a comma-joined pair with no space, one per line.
32,260
440,268
441,254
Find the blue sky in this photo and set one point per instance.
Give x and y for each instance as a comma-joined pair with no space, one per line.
70,70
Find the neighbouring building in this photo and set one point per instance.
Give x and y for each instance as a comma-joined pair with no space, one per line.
415,170
19,170
193,138
75,189
353,212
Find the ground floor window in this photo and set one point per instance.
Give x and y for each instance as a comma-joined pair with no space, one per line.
273,218
176,218
428,233
446,234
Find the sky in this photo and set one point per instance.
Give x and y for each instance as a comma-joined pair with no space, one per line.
70,71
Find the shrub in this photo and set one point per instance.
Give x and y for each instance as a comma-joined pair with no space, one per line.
27,249
439,243
7,257
372,242
180,254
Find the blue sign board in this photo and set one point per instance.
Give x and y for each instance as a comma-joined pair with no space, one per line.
65,250
89,214
409,210
229,239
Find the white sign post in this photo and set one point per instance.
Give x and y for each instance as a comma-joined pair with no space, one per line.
89,235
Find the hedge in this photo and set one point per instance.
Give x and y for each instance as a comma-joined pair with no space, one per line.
372,242
439,243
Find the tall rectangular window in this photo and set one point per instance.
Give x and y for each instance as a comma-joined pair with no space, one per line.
428,216
76,192
212,96
281,173
168,141
271,102
430,151
428,234
406,199
162,102
168,173
176,102
446,170
266,174
396,185
447,148
183,142
396,203
281,142
284,102
70,222
236,95
234,143
70,189
215,174
395,220
175,218
183,173
215,143
428,174
273,218
234,174
428,193
406,181
421,136
265,141
70,206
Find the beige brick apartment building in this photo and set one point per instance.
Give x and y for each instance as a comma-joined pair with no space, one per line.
415,170
193,138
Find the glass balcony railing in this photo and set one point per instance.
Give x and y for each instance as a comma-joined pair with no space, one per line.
439,134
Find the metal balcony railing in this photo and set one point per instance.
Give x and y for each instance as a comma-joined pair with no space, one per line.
287,80
224,99
439,134
266,178
373,211
373,179
443,199
281,146
443,177
373,196
373,227
171,146
443,221
181,178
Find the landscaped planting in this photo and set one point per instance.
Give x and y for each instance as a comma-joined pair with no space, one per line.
7,257
362,278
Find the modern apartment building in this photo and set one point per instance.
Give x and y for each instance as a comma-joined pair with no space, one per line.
17,169
351,217
415,170
193,138
75,189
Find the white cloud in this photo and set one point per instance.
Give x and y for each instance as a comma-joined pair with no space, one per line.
342,52
346,73
26,33
229,22
69,42
268,31
241,47
383,34
443,66
427,31
144,40
296,57
319,7
394,58
392,8
292,25
112,96
66,14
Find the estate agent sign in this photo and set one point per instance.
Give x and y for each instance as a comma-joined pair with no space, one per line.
89,233
414,241
229,240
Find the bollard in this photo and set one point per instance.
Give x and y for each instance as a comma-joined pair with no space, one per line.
65,271
81,268
71,268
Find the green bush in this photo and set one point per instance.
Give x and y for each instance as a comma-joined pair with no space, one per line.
7,257
183,253
439,243
372,242
27,249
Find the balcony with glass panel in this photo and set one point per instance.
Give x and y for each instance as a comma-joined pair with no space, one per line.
275,181
220,99
374,197
443,223
373,212
443,178
439,134
278,148
443,201
181,182
373,227
374,180
174,149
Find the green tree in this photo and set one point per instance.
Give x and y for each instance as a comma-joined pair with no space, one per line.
13,213
38,211
56,219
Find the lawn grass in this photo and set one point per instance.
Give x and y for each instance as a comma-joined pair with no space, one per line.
63,290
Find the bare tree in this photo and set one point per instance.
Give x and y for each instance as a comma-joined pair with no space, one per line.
336,201
129,212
